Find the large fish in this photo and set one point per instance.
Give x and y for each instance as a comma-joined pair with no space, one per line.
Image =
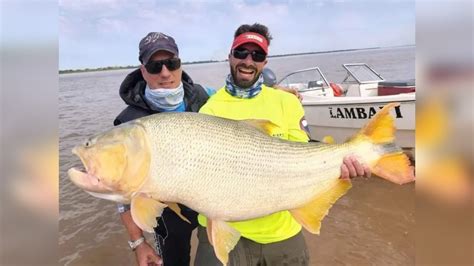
228,170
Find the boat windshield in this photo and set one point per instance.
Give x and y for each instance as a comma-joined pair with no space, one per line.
361,73
305,80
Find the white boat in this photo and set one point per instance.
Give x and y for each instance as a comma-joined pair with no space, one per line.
340,110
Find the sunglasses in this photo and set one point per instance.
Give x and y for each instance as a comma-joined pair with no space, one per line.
257,56
155,67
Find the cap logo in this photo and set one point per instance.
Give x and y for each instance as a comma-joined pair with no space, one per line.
255,37
154,37
251,37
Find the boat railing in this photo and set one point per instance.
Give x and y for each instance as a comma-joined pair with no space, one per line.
361,80
308,80
361,73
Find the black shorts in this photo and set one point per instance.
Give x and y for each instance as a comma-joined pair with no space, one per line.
173,236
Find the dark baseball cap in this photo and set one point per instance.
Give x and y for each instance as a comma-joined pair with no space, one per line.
154,42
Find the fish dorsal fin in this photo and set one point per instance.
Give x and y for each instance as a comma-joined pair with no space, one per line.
311,214
223,239
328,140
266,126
381,128
175,207
145,210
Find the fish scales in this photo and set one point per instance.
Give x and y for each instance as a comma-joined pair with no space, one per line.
234,172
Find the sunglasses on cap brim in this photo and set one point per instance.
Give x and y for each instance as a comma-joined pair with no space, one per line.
155,67
257,56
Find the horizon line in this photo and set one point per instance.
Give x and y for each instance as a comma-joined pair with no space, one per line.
66,71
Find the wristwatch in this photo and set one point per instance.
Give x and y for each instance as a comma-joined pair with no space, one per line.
134,244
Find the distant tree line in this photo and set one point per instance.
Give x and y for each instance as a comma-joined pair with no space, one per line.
95,69
66,71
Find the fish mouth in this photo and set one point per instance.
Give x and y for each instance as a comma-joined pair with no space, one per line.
87,181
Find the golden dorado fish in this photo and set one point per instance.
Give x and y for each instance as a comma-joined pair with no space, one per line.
228,170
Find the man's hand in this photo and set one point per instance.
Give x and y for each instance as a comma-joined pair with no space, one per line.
146,255
289,90
351,168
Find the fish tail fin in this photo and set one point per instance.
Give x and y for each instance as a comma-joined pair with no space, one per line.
393,165
381,128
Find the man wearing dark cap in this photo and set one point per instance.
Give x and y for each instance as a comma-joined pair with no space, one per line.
275,239
160,85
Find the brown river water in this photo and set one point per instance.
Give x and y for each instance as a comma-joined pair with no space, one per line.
373,224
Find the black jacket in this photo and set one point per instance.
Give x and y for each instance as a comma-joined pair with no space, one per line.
132,91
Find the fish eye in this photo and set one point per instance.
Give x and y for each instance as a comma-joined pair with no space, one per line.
87,143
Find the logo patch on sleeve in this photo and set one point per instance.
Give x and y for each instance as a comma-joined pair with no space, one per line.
304,126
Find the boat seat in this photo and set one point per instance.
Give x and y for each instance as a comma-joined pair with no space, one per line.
397,83
314,83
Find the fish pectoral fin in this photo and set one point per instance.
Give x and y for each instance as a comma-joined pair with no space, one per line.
145,210
311,214
175,207
224,238
266,126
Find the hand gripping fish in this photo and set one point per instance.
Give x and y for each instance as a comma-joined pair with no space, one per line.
202,162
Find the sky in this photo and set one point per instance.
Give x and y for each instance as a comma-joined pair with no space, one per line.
100,33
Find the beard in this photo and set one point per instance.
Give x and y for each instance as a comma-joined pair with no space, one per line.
244,83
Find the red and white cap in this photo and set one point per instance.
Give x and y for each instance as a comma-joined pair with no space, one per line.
251,37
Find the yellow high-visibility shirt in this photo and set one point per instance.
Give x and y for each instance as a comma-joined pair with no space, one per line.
284,110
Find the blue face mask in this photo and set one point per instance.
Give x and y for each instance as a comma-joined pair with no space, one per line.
165,99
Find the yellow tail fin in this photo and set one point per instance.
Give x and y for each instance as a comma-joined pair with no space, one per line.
394,165
381,128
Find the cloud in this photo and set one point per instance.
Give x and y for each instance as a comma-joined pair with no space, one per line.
88,5
108,25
